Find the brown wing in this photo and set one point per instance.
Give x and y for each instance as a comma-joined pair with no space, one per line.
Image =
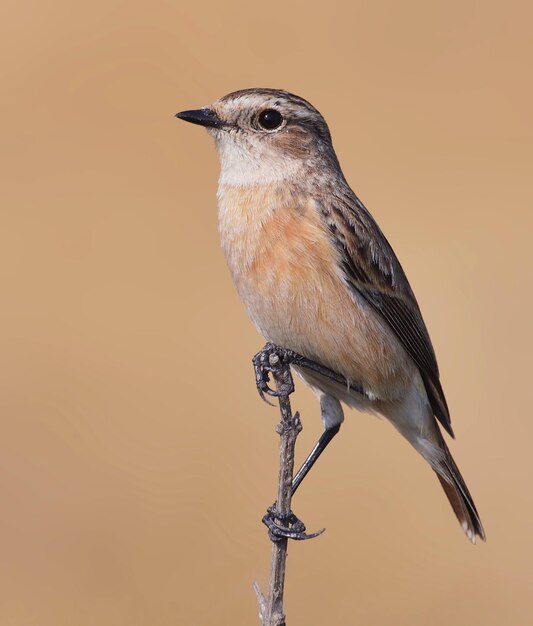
372,270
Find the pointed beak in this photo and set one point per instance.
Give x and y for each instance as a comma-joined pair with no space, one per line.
203,117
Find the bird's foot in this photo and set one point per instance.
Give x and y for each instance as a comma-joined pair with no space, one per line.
269,360
294,529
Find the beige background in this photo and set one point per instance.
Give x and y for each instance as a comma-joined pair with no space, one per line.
135,457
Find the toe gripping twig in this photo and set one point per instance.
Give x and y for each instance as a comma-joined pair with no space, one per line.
293,527
273,360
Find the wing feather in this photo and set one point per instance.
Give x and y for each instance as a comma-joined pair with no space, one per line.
372,270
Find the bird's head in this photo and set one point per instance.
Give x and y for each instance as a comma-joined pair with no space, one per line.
265,135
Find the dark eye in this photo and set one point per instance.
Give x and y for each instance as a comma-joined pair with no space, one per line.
270,119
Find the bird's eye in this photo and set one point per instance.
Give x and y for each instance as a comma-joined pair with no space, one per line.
270,119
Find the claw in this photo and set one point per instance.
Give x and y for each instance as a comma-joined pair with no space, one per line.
294,530
262,363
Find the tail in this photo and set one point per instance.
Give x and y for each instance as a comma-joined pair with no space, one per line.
455,488
413,418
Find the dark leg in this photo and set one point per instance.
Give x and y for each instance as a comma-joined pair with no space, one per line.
297,527
321,445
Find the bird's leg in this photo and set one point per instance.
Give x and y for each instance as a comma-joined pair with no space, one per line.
332,413
320,446
332,417
297,527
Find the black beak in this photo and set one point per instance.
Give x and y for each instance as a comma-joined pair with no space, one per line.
203,117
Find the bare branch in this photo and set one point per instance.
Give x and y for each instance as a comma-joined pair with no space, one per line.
271,607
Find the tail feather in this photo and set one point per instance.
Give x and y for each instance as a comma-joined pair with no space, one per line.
455,488
413,416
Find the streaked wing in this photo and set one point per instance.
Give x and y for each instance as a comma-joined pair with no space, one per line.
372,270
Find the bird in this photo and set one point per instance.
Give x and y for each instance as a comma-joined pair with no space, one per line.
318,277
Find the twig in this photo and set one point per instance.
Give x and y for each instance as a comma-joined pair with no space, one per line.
271,606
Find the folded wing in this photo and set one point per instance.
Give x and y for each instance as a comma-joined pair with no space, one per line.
372,270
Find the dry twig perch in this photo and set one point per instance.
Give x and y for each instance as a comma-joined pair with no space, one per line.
282,523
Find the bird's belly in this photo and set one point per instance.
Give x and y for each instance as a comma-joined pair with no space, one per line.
316,316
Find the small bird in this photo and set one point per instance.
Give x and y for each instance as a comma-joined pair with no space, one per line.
318,277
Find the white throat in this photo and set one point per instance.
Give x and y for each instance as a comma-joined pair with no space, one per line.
244,165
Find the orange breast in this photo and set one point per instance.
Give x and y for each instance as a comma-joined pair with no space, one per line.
287,273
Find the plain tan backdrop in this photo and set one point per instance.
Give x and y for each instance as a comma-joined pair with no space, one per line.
136,459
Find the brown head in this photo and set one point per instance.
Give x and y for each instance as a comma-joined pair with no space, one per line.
266,135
